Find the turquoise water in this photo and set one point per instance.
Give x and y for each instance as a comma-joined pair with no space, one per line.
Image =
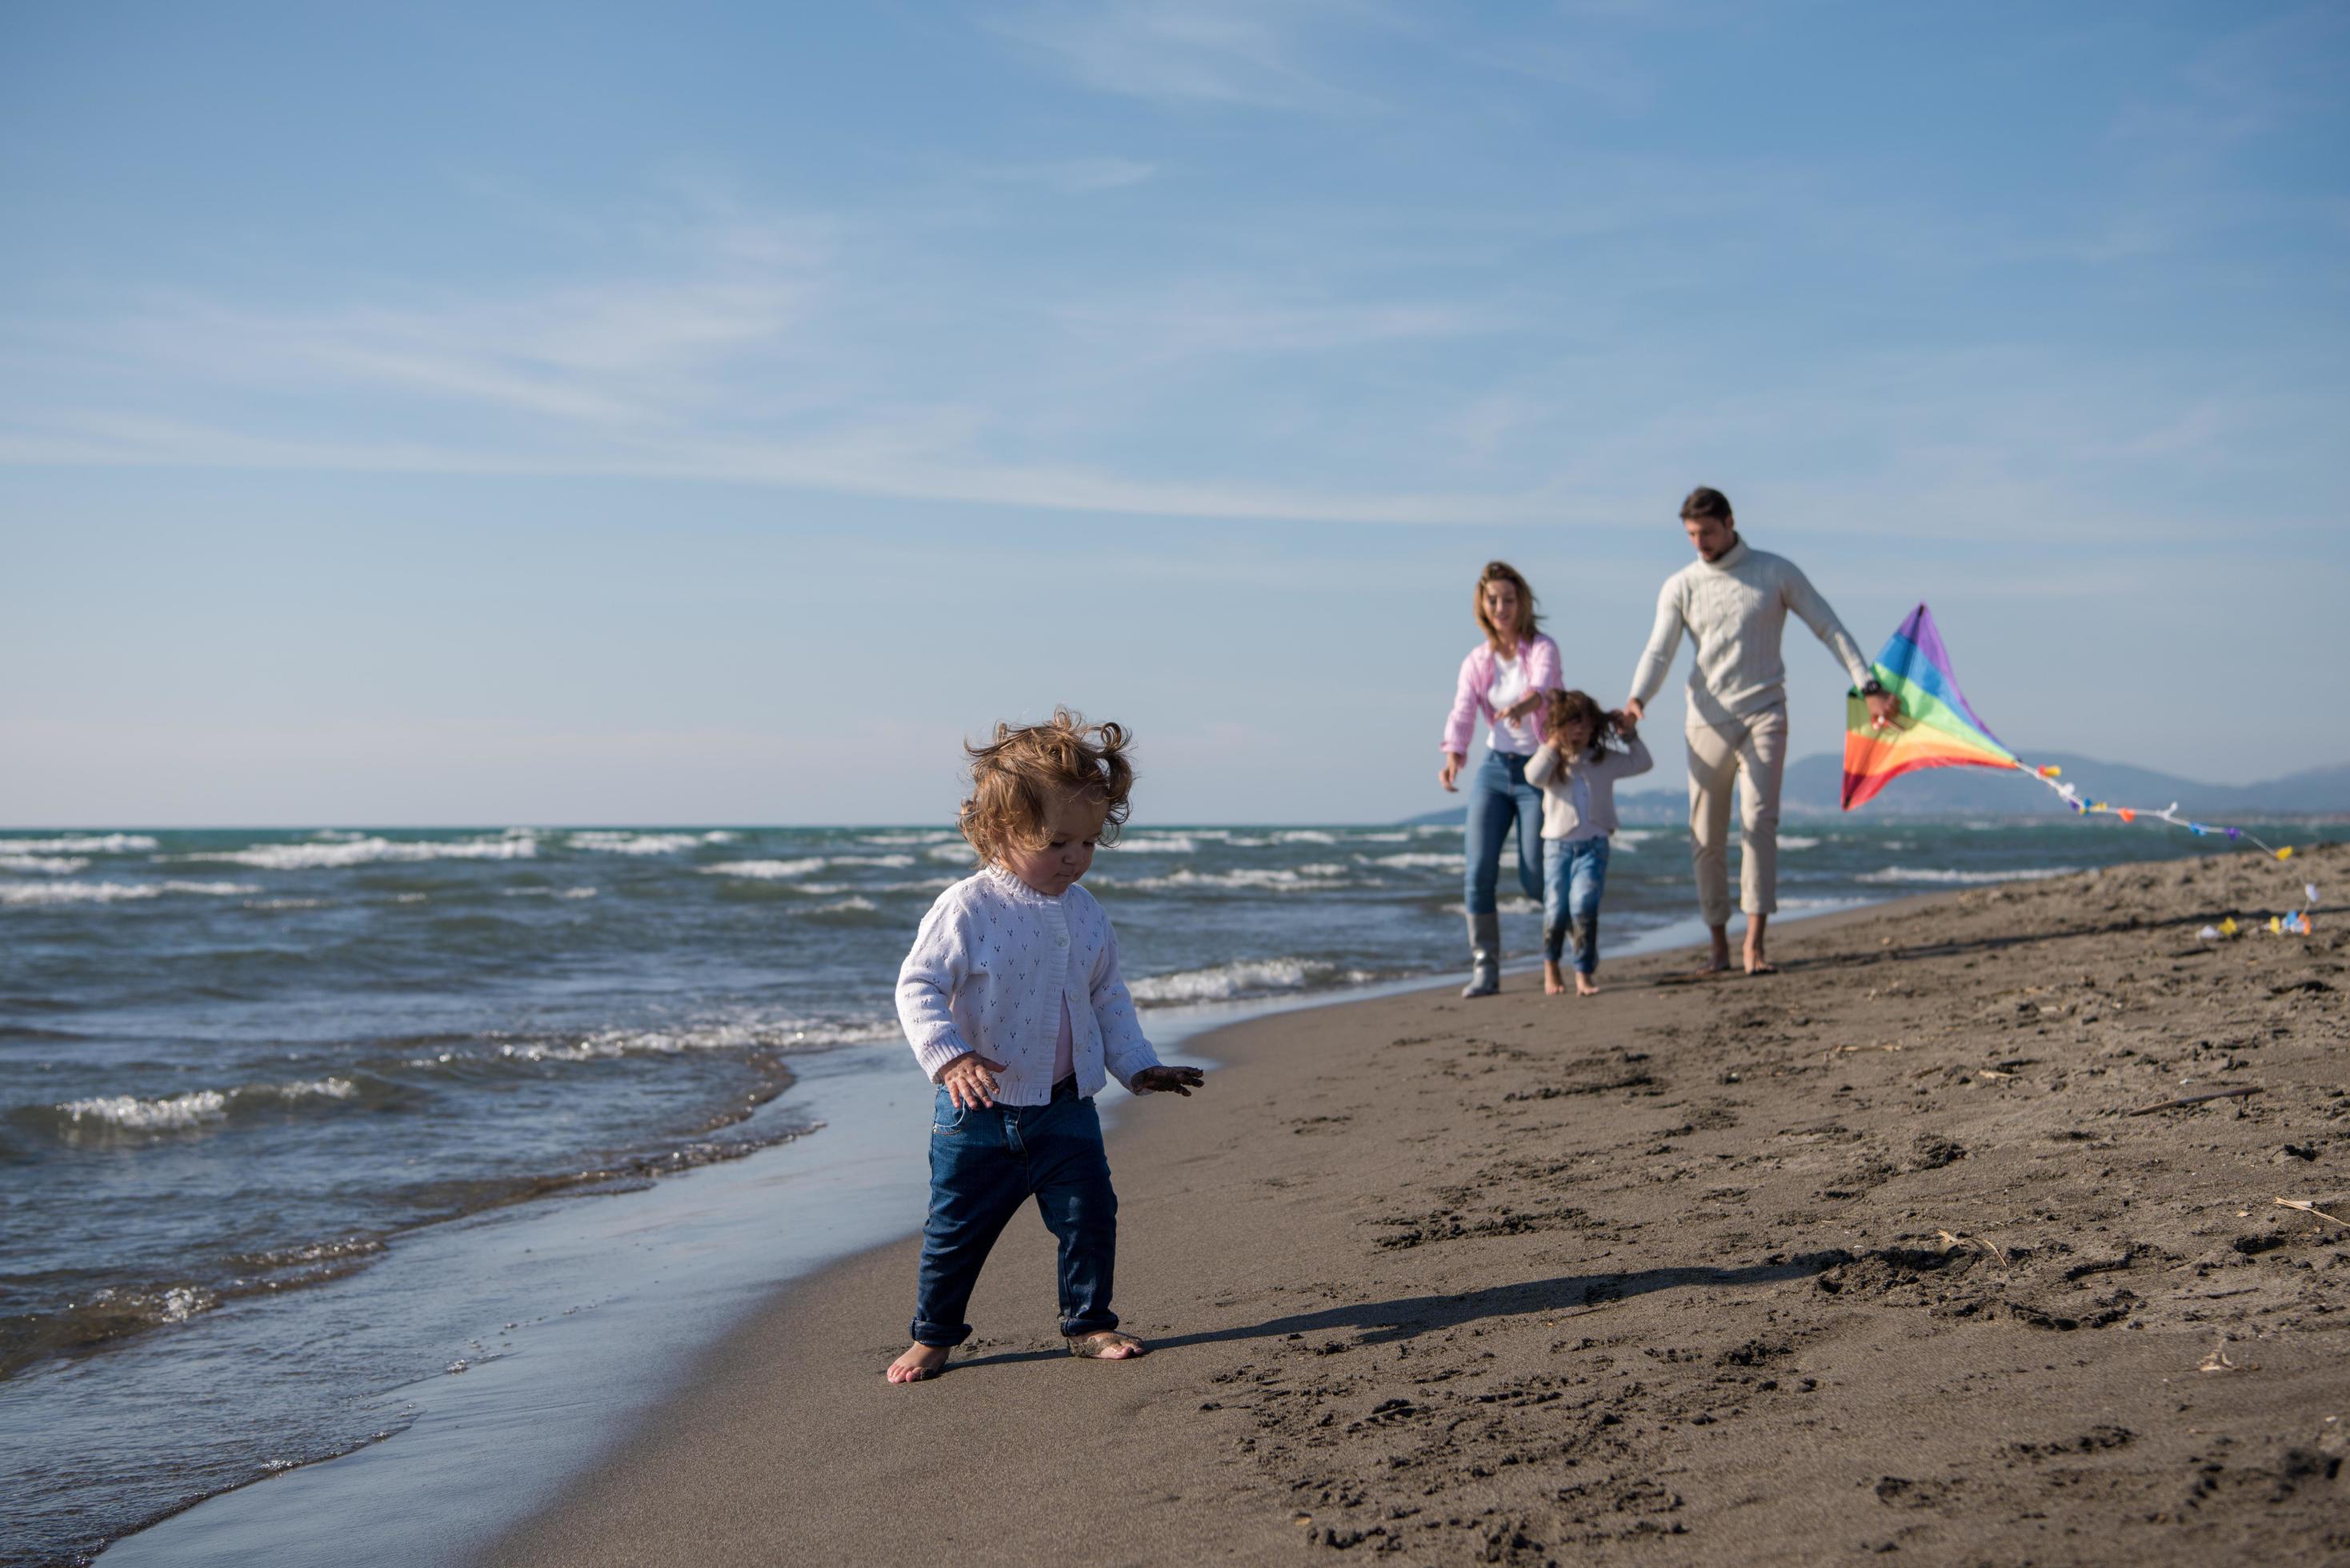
238,1067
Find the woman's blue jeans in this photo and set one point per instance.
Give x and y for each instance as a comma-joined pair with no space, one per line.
1574,872
1498,796
984,1164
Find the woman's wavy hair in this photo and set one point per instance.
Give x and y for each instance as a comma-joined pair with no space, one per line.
1529,618
1563,708
1014,778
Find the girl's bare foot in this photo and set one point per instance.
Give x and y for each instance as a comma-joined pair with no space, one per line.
921,1361
1584,985
1108,1346
1553,982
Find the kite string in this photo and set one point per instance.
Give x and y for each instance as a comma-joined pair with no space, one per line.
2071,795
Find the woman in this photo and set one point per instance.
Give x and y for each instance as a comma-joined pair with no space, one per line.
1503,681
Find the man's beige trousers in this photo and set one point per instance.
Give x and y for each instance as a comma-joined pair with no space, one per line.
1752,752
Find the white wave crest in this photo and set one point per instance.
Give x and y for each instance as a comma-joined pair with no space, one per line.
606,843
79,843
1276,880
892,839
113,892
43,864
1926,874
512,846
1244,976
1797,841
547,893
1304,836
765,871
1160,843
890,862
1416,859
784,1033
958,853
176,1113
849,905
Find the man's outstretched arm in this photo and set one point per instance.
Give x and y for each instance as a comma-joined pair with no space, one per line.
1805,601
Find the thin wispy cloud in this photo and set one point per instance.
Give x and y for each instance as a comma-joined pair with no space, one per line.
1256,53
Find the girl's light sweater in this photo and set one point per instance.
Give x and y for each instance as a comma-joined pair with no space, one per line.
994,963
1547,771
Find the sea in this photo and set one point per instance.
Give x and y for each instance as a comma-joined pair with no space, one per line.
300,1128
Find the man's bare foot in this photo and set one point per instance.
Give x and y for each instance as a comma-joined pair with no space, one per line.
1553,982
1108,1346
921,1361
1584,985
1757,964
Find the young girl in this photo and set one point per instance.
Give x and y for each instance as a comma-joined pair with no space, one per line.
1577,773
1013,1002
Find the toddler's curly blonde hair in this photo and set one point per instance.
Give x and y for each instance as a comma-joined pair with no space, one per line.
1015,775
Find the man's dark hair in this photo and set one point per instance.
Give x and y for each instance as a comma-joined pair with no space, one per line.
1706,501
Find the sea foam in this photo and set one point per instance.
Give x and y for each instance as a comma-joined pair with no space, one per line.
1931,876
514,846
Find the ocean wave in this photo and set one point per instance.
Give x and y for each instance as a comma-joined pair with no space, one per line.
546,893
1402,837
1418,859
955,854
1243,977
888,862
1275,879
1797,841
768,1034
1304,836
1159,844
79,843
765,871
517,844
285,903
936,835
43,864
113,892
1926,874
609,843
849,905
1631,837
195,1108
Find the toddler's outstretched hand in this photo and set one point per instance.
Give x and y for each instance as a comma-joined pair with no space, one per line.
970,1080
1168,1080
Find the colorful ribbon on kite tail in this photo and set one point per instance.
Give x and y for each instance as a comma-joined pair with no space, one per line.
2073,797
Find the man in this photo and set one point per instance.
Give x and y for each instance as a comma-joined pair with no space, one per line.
1733,602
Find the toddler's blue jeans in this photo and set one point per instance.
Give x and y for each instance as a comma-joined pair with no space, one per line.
984,1164
1574,873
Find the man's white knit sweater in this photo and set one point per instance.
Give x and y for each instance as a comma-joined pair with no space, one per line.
1734,609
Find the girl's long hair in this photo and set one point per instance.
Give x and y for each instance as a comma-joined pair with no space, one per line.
1564,708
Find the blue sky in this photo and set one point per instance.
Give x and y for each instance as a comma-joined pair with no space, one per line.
445,413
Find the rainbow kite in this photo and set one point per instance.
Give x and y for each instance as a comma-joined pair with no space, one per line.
1938,728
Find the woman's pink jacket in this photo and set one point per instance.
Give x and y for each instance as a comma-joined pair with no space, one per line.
1468,702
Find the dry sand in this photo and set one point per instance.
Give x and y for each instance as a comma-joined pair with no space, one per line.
1871,1256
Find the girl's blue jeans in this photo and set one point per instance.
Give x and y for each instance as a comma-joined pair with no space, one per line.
1574,873
1498,796
984,1164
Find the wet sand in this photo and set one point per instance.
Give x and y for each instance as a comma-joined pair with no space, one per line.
1868,1256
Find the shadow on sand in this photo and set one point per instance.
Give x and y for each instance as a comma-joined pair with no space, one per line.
1407,1317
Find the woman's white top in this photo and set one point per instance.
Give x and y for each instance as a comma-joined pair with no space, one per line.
994,963
1518,737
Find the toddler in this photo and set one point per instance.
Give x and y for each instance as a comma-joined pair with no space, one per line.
1013,1001
1577,772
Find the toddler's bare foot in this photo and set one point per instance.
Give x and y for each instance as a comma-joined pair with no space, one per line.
1553,982
921,1361
1108,1346
1584,985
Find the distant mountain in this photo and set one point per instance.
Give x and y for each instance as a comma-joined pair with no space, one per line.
1815,784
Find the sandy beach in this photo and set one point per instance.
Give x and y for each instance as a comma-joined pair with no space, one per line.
1877,1255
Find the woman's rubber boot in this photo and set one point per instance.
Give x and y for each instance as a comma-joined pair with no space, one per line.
1484,955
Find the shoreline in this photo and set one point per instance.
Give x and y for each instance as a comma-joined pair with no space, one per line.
1861,1213
562,1326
